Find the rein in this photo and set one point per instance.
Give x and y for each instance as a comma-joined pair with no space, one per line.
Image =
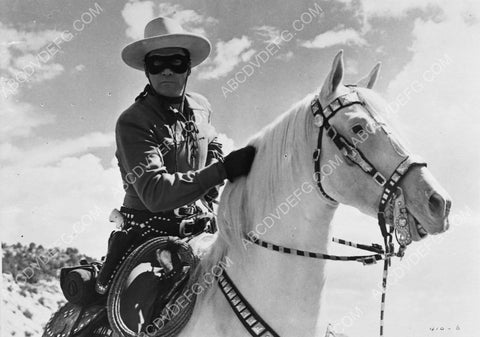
392,212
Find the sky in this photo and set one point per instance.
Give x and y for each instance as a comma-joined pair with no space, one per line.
63,85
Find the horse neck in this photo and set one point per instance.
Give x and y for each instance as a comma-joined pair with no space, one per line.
286,289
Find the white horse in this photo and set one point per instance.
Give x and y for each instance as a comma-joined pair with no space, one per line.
285,289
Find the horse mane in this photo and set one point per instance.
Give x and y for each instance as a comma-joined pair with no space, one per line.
286,135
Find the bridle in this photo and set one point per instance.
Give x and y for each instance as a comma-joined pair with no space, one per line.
322,121
392,214
391,191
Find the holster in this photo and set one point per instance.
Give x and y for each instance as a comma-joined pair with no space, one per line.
120,244
139,226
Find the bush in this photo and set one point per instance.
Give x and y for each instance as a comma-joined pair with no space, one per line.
28,314
20,261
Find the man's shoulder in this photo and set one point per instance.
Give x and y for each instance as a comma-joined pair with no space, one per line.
198,101
135,114
197,96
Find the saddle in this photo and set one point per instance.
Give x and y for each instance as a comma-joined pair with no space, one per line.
142,300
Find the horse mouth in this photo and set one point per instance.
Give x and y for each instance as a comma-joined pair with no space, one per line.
417,230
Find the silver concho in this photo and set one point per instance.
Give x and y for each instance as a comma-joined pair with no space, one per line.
318,120
400,220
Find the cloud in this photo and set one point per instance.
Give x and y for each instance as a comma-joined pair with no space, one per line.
400,9
437,91
78,68
269,34
14,40
188,18
138,13
19,119
27,56
34,69
391,8
331,38
64,204
54,150
46,191
228,55
272,35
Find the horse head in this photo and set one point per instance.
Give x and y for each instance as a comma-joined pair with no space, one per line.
372,145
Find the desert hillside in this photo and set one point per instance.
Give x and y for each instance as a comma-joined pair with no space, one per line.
30,287
26,308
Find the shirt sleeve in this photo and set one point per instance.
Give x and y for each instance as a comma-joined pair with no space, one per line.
139,148
215,151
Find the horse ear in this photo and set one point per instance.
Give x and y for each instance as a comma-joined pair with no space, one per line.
335,77
369,80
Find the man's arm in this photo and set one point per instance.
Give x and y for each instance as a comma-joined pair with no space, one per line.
156,188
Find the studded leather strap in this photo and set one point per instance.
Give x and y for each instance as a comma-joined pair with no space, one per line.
254,324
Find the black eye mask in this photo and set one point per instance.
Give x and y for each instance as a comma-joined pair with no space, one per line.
155,64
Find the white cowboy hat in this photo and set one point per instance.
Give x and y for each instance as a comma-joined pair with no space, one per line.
165,33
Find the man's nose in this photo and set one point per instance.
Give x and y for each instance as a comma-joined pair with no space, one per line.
167,72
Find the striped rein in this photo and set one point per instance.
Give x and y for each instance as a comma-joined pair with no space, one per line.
380,254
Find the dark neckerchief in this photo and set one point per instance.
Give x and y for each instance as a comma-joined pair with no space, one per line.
170,100
172,114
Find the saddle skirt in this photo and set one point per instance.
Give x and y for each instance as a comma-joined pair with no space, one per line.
75,320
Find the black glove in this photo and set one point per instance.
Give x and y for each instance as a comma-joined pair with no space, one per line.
239,162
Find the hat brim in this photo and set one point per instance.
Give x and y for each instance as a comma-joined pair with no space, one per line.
134,53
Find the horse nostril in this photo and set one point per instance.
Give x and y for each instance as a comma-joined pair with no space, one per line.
436,205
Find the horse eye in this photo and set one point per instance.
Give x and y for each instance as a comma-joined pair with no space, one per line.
357,128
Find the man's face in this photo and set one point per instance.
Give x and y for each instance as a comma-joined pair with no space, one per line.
168,82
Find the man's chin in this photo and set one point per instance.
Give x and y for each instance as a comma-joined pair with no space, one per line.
168,89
